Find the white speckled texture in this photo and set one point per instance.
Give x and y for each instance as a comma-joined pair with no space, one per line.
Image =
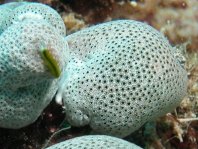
33,11
26,83
120,75
95,142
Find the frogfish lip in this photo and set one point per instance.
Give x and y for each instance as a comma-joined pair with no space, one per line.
51,62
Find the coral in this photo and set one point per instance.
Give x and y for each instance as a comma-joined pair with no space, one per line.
95,142
120,75
33,54
73,23
176,18
179,24
95,10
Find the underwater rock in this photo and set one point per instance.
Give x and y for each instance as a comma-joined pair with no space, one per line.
33,54
120,75
95,142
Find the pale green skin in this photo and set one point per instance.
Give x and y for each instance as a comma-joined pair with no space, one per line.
95,142
21,102
51,63
33,56
5,11
116,50
17,12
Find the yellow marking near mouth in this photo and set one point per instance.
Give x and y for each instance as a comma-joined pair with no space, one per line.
51,63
